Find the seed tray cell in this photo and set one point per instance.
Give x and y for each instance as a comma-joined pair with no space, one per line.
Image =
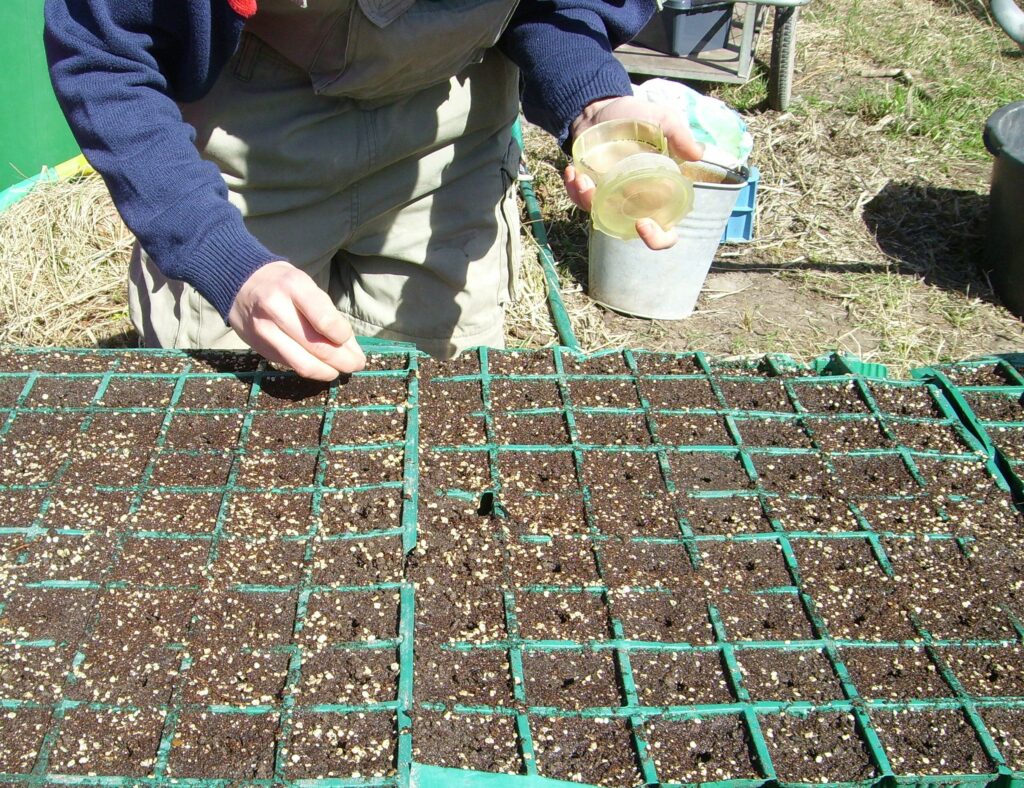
621,569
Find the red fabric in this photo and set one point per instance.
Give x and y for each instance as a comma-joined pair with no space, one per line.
245,8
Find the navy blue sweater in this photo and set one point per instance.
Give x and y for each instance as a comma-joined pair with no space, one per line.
120,67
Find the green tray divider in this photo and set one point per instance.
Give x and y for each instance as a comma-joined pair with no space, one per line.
1010,473
620,648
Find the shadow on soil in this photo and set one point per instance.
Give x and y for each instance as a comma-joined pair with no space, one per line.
936,233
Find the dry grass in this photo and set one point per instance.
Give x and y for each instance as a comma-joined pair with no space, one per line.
63,260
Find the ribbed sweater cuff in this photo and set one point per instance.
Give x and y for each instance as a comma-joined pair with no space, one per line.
223,262
573,96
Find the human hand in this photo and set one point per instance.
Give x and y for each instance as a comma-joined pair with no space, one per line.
681,144
282,314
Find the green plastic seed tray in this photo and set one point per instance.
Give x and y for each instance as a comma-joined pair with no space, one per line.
511,570
989,396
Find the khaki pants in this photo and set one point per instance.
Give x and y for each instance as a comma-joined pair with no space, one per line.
403,211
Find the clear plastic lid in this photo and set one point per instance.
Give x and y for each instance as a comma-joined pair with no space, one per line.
641,186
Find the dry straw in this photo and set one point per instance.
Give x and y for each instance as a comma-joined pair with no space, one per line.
63,260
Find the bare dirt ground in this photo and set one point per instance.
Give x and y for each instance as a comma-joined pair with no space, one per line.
867,242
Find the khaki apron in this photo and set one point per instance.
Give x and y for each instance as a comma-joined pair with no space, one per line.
368,143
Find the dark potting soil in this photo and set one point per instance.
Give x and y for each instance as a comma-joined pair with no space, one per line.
764,396
774,433
261,562
560,561
841,435
678,393
65,557
362,390
137,392
726,516
929,436
628,516
1006,726
625,473
21,737
981,375
933,741
10,389
271,430
746,565
816,515
162,562
956,477
705,750
214,393
704,471
992,671
662,617
903,516
543,430
51,392
1010,441
904,400
192,469
107,742
996,405
33,673
763,617
351,616
203,430
789,676
526,394
831,397
885,474
818,748
57,614
274,470
236,678
894,674
603,393
284,391
353,745
603,364
642,564
357,512
515,363
560,514
460,614
680,678
355,427
802,474
229,746
571,680
348,677
471,678
612,429
549,615
466,741
361,468
449,470
593,750
692,429
666,364
122,430
546,472
357,562
269,514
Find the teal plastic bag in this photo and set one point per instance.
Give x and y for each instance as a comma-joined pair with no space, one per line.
712,121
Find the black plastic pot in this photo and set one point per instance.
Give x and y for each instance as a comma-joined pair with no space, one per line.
1004,138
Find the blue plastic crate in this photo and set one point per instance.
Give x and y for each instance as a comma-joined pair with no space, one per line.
741,222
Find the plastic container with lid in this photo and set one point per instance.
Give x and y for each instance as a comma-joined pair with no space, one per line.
634,176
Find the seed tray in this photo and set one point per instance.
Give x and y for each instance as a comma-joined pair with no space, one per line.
620,569
988,394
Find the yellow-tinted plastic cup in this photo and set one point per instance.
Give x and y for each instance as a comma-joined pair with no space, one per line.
641,186
601,147
635,179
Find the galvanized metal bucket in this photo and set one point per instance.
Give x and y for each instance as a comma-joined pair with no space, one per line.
664,285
